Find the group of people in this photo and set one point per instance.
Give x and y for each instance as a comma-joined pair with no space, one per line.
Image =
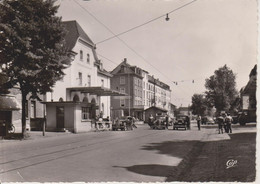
224,121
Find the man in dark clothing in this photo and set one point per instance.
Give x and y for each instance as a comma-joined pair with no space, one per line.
198,121
188,122
220,121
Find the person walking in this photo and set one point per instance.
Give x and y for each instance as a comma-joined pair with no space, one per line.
220,121
188,122
229,121
198,121
150,122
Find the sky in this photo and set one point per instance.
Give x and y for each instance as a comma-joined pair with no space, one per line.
199,38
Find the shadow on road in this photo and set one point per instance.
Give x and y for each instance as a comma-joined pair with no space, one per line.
180,149
204,161
150,169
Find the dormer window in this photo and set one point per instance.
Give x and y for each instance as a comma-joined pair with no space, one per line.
81,55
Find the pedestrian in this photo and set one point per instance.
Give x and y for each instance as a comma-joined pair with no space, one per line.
224,115
188,122
229,121
198,121
167,120
150,121
220,121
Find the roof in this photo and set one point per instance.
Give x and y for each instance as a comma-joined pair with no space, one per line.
125,68
159,83
100,91
104,72
158,108
75,31
184,109
9,103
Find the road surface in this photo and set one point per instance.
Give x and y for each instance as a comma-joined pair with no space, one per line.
141,155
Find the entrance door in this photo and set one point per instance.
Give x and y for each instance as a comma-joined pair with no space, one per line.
60,117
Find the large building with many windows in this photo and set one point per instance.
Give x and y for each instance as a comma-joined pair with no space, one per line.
143,91
83,94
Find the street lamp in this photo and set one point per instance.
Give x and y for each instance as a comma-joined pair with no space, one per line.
167,18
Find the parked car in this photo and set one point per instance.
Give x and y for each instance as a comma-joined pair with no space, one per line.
207,120
124,123
160,122
182,121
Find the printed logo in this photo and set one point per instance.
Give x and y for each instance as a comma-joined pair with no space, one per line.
231,163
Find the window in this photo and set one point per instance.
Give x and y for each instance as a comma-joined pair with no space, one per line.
33,109
85,113
80,79
122,90
89,80
122,80
122,102
88,59
81,55
102,82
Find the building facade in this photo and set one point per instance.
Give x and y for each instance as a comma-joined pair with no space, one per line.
83,94
127,79
144,91
248,96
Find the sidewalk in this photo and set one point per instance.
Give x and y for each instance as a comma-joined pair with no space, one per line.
207,161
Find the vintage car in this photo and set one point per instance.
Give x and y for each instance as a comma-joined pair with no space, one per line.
123,123
182,121
160,122
207,120
103,124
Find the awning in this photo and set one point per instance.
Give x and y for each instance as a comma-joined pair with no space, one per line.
9,103
100,91
157,108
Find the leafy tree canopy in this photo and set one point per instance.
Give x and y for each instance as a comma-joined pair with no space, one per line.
32,48
199,104
31,45
221,89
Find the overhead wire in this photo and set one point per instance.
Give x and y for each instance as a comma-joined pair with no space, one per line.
117,36
143,24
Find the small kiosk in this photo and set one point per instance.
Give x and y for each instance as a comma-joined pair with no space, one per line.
79,113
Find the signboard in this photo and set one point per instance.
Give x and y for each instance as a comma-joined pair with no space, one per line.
245,102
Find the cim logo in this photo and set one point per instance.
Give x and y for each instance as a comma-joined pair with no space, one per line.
231,163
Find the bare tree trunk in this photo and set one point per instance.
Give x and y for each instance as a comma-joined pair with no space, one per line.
24,94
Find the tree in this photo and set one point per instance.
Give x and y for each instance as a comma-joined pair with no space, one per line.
32,48
199,104
221,89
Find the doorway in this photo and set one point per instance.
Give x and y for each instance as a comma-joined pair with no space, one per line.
60,117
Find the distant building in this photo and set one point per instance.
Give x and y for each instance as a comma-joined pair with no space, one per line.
144,91
34,112
184,111
127,79
248,95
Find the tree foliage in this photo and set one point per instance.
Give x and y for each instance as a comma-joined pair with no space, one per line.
32,48
221,89
199,104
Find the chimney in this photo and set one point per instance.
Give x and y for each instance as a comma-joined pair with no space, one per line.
125,59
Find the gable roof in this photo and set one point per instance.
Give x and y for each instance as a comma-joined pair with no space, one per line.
75,31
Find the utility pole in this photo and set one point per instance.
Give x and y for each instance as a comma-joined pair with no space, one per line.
154,104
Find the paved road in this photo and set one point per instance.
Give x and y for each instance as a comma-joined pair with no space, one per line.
140,155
